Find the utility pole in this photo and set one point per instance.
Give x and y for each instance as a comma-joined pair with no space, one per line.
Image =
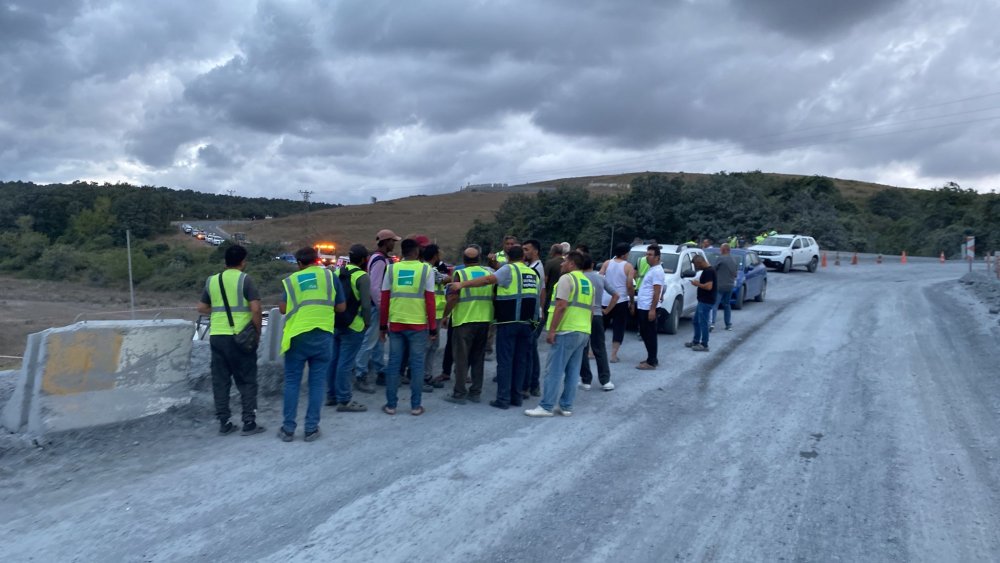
231,192
305,197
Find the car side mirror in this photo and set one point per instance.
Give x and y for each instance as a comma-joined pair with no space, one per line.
688,274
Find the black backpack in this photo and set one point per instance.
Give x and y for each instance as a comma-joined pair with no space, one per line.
344,320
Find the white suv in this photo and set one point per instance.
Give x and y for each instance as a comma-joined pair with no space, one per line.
788,251
678,298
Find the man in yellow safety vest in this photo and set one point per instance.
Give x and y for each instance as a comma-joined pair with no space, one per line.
568,326
230,362
312,297
470,312
349,333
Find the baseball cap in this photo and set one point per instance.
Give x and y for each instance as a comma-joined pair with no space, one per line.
358,250
422,240
386,234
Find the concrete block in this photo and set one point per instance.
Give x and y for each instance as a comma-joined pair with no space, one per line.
100,372
270,341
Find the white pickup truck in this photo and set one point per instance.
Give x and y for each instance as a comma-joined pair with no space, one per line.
678,298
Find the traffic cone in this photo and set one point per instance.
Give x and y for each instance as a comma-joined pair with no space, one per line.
878,259
836,259
823,262
903,259
942,257
854,259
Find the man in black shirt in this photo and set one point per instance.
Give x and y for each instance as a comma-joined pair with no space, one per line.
706,300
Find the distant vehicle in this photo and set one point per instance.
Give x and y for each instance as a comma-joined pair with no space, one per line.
200,235
287,257
187,229
678,298
751,277
785,252
327,253
214,239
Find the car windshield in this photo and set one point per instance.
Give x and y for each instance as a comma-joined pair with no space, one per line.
777,241
714,257
668,261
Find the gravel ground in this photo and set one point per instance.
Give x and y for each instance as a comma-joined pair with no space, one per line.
850,417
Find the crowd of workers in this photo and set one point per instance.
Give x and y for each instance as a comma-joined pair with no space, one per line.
337,323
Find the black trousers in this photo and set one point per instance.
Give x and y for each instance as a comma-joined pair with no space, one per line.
647,330
447,358
231,364
619,318
600,349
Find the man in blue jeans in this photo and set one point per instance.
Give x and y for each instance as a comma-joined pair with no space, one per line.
569,324
312,297
706,300
350,331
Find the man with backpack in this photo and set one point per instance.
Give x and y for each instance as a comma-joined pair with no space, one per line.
370,358
350,330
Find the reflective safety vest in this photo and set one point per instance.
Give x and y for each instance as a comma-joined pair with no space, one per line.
577,317
219,323
518,302
641,273
311,298
406,295
475,304
501,257
358,324
440,299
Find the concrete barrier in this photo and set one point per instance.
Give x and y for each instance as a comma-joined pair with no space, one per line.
100,372
270,341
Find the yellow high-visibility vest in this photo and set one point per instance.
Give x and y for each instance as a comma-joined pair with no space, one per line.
475,304
311,299
578,315
406,295
233,279
518,302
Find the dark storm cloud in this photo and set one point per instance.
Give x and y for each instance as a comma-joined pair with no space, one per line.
808,19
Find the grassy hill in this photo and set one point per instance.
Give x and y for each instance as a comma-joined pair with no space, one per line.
446,218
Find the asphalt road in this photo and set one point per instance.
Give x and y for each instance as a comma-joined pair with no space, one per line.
853,416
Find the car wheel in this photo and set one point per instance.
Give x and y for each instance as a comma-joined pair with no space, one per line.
786,266
674,318
760,296
812,265
740,298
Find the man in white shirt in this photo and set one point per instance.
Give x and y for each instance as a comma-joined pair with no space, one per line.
532,384
645,306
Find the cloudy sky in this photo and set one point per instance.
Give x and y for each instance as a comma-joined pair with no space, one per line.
359,98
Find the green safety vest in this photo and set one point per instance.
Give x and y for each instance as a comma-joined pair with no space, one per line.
440,299
475,304
311,300
518,302
358,324
579,313
642,269
406,294
219,323
501,257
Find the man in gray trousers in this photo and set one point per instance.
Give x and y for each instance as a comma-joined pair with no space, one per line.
725,271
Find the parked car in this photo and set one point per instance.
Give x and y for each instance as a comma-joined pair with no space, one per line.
287,257
679,298
785,252
187,229
751,275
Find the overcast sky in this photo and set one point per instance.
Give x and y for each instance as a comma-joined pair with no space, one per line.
385,98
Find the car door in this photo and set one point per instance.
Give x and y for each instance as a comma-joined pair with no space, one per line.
690,291
754,274
797,252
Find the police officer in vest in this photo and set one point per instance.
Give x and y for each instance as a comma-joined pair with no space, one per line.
408,323
349,333
230,362
470,311
568,326
312,297
515,312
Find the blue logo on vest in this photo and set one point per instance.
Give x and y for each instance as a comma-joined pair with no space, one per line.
308,281
407,277
585,287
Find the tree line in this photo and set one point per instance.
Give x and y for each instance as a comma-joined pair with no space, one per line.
675,209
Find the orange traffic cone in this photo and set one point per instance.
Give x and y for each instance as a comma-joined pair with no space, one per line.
903,259
854,259
823,262
942,257
878,259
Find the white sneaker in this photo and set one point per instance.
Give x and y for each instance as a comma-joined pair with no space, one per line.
562,412
537,412
585,386
608,386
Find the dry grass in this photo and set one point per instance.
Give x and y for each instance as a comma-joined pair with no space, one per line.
445,218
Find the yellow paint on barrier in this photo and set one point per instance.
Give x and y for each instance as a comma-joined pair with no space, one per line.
81,361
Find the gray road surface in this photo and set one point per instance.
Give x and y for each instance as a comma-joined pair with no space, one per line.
852,417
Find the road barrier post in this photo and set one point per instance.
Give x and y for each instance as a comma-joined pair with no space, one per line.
878,259
942,257
903,259
854,259
823,263
836,260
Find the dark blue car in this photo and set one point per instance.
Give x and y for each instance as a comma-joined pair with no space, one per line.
751,277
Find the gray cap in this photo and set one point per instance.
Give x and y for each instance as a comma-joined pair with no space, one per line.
357,251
